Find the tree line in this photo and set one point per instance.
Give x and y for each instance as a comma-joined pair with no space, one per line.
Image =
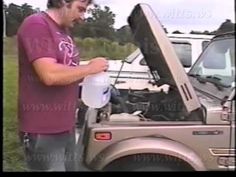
100,24
226,26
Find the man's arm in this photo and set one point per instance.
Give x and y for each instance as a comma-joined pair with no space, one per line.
53,74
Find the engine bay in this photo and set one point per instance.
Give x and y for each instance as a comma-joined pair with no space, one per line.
146,105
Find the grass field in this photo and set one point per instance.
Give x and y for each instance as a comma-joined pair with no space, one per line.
12,151
13,159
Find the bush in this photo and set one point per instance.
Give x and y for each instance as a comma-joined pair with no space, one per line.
90,48
10,47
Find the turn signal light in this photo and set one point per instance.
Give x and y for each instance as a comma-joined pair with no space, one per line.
103,136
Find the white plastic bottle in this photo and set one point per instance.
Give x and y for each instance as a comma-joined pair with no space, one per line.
96,91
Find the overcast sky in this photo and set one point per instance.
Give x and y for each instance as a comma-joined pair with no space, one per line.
183,15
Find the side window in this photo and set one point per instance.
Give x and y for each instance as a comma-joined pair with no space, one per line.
204,44
184,52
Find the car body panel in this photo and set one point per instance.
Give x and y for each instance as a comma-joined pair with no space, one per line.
147,145
206,136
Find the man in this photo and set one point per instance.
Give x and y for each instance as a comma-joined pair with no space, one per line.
48,83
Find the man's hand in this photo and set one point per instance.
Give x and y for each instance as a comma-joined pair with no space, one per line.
97,65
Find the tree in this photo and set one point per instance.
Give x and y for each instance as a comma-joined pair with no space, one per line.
13,19
124,35
26,10
226,26
101,17
206,32
15,15
177,32
100,24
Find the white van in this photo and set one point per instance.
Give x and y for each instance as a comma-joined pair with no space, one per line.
133,72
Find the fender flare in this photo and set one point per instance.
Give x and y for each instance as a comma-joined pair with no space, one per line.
147,145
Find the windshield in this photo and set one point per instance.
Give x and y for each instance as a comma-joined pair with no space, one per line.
217,65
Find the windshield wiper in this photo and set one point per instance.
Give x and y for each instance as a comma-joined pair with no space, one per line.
210,79
198,77
216,81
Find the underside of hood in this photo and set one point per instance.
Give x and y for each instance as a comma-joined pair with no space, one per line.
160,55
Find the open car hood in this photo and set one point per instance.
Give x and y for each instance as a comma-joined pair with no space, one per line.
160,55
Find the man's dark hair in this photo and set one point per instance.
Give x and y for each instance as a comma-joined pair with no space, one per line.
59,3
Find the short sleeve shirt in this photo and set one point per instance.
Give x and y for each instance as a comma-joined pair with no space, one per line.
41,108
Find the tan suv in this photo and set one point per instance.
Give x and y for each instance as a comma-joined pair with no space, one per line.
187,123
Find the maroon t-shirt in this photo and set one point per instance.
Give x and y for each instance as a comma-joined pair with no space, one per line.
45,109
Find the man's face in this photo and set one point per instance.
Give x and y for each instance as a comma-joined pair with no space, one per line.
74,12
